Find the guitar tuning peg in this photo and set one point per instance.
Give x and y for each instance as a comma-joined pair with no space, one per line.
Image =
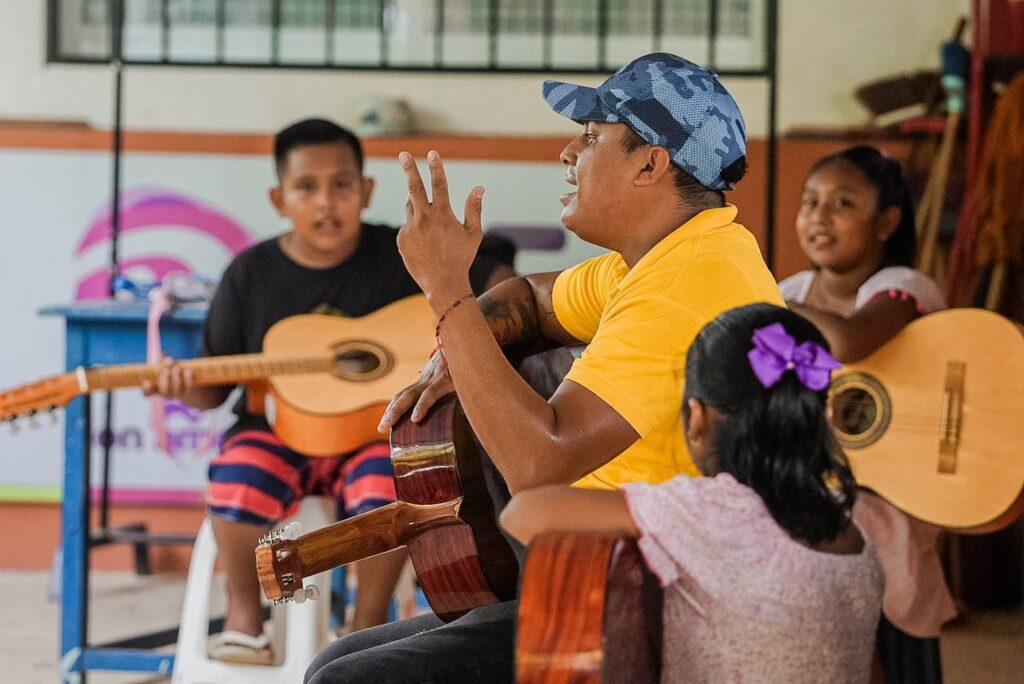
32,422
271,537
311,592
292,530
15,428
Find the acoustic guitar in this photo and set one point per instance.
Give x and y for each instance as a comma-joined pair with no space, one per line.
934,420
330,377
589,612
444,515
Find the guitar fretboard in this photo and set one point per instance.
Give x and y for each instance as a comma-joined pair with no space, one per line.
222,370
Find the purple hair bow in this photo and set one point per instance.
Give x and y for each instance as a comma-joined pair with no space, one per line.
775,352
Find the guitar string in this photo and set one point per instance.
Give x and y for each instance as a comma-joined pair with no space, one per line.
139,372
219,367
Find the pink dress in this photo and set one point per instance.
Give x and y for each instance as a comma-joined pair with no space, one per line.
917,599
744,602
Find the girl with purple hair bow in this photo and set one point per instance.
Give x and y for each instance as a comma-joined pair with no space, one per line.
766,577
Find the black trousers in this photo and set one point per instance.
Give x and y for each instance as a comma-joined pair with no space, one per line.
478,647
907,659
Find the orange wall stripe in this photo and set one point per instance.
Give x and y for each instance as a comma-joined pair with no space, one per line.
491,148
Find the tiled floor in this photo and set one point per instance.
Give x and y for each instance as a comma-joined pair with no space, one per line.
983,649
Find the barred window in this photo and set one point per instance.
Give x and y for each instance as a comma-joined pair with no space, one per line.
541,35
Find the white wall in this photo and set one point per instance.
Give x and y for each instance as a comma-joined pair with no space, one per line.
50,200
827,47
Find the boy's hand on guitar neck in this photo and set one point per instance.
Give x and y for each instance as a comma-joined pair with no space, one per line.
434,383
172,382
178,382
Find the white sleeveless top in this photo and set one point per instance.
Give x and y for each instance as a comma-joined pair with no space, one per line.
895,280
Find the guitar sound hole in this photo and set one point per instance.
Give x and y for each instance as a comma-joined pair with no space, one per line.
361,361
358,362
854,411
861,409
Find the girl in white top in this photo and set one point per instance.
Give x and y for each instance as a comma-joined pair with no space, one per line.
856,225
766,579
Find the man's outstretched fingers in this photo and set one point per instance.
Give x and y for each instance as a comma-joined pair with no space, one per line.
474,210
438,181
417,192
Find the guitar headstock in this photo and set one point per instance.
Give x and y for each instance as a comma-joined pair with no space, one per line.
279,567
47,394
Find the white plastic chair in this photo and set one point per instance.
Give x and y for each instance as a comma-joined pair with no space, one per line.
299,631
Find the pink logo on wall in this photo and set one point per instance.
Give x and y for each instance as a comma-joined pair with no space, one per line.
148,254
146,209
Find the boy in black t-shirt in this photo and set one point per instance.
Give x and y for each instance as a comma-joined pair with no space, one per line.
328,262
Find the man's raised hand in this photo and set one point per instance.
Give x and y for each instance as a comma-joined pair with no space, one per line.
436,247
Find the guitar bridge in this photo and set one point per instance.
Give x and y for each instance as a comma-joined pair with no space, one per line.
952,413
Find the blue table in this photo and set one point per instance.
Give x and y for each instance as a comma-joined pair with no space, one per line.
103,333
108,333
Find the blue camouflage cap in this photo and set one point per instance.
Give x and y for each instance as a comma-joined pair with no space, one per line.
668,101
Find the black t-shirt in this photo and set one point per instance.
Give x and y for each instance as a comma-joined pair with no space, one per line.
262,285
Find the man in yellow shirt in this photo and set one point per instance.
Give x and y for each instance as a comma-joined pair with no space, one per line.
660,141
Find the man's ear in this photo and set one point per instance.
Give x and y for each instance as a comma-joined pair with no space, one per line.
276,196
654,162
369,185
698,427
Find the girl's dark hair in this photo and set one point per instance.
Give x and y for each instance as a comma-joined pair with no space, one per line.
777,441
495,250
887,176
499,247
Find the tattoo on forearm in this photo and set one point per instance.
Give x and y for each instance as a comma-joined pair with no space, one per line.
546,317
511,320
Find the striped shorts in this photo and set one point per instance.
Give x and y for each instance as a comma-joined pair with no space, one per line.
258,480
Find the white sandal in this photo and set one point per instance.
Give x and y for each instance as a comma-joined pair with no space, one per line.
241,648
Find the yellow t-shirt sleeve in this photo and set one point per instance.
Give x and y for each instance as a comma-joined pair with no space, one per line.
636,362
581,293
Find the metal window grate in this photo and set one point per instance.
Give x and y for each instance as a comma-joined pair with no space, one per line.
735,37
439,35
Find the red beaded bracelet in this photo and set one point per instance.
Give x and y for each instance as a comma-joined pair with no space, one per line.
440,320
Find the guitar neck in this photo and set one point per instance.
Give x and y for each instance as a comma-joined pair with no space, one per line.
347,541
371,533
221,370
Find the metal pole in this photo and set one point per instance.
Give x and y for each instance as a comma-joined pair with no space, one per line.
772,160
713,33
116,54
117,50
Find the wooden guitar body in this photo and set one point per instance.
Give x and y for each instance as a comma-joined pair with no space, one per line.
378,355
459,566
934,420
444,515
589,612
